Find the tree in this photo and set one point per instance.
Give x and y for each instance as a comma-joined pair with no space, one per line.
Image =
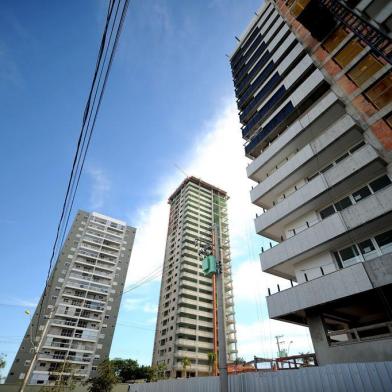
157,372
105,378
129,369
2,364
66,381
211,361
239,361
186,362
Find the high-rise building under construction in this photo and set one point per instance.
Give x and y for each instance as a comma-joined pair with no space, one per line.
314,90
73,325
186,323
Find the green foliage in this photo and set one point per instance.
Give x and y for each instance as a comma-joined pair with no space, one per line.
186,362
157,372
239,361
2,361
211,360
104,380
2,364
129,369
64,382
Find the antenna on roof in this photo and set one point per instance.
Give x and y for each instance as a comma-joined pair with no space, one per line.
237,38
182,171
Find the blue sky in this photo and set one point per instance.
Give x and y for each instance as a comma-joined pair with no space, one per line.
169,102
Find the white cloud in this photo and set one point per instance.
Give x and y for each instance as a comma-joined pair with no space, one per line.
217,156
23,303
99,189
258,339
139,304
250,282
132,303
150,308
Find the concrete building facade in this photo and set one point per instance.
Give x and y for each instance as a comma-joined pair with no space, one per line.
314,91
80,305
185,326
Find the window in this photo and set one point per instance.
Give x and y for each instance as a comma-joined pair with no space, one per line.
342,204
326,212
380,183
384,241
326,168
361,193
349,255
357,147
342,157
366,247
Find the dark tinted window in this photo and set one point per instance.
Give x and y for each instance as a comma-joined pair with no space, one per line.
348,253
361,193
357,147
384,238
380,183
342,157
366,246
326,168
327,212
342,204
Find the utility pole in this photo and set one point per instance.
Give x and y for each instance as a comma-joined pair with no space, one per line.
278,342
36,351
213,266
223,380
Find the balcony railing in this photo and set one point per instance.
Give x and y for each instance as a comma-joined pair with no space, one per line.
263,133
377,40
360,334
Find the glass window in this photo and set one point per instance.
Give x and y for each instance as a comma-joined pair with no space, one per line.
342,204
384,241
380,183
348,253
366,247
362,193
326,168
327,211
357,147
342,157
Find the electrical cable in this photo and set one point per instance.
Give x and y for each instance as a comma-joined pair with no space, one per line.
86,131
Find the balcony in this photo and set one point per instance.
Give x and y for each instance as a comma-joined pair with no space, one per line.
190,354
297,102
311,158
341,179
337,230
69,358
310,125
87,287
69,346
289,304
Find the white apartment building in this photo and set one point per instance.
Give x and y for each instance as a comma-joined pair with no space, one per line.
80,305
185,323
314,91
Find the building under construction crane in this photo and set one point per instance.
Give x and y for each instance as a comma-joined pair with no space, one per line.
187,314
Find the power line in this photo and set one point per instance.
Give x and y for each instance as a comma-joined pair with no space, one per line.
90,112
